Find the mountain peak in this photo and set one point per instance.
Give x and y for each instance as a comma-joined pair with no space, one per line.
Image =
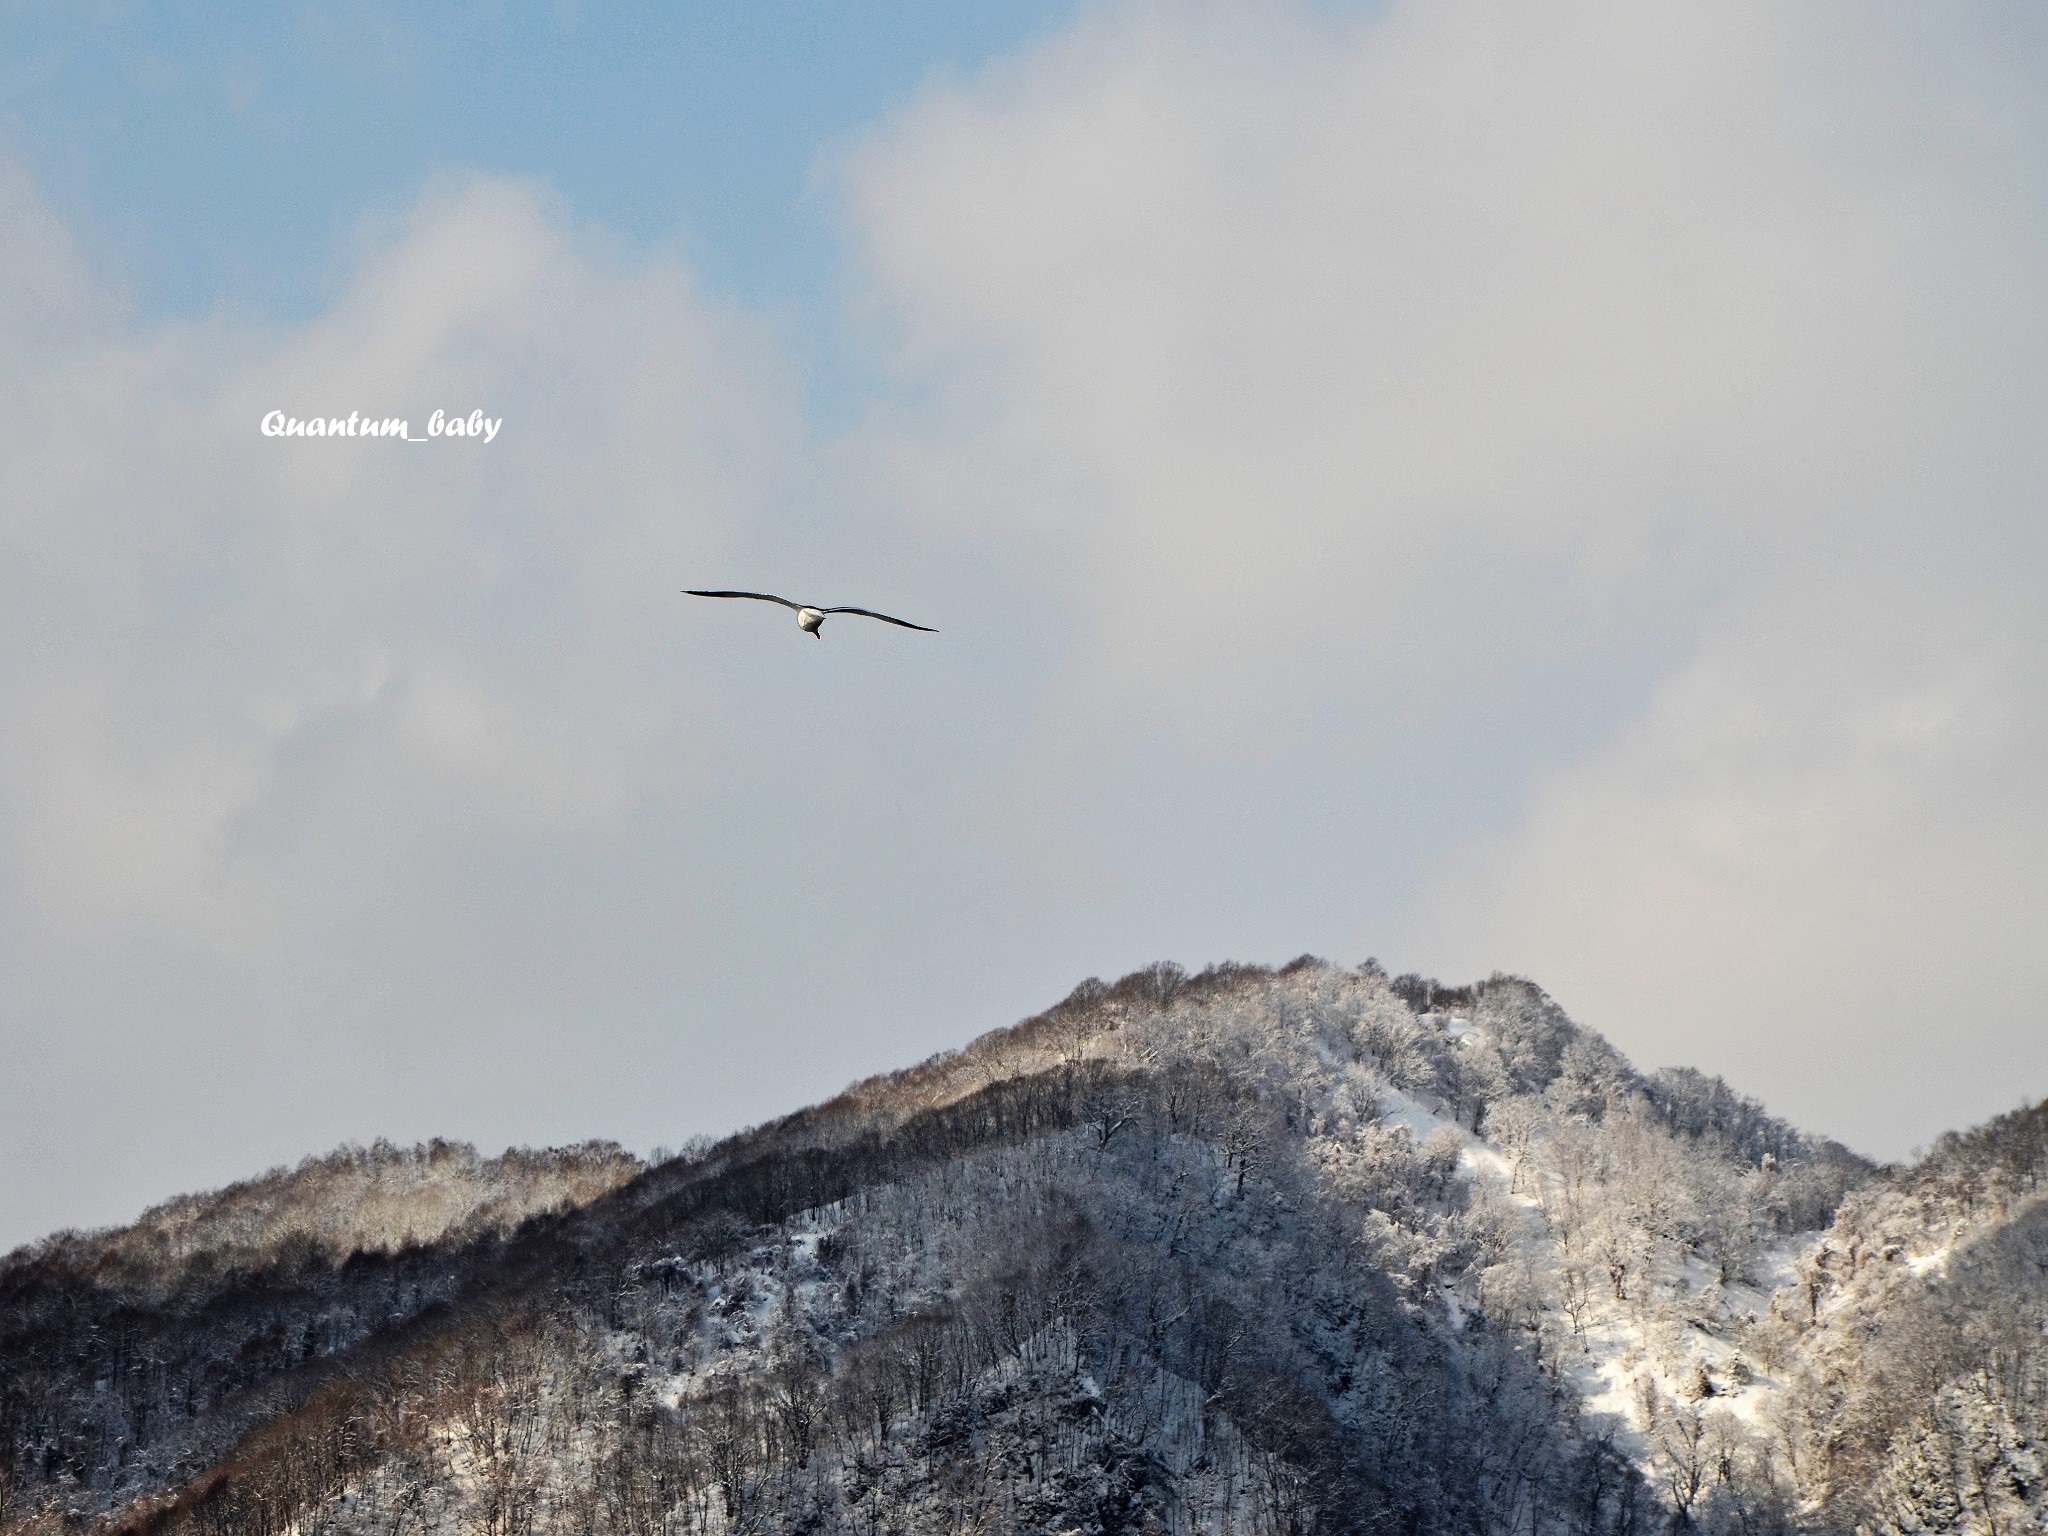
1307,1248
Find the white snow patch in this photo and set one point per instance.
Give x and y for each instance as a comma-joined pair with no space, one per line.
1397,1108
1929,1263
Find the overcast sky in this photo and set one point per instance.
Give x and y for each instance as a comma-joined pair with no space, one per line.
1557,490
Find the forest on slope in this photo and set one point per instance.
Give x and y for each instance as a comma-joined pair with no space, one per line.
1312,1249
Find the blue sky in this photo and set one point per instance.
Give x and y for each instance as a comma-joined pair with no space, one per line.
1482,490
232,155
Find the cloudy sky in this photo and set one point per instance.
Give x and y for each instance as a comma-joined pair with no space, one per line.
1555,489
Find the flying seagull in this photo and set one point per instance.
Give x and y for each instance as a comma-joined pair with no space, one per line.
810,620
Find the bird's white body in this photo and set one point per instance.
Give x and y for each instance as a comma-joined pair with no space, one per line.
809,620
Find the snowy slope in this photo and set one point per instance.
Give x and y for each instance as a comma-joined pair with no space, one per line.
1308,1249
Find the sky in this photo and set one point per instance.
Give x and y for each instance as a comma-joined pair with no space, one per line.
1486,489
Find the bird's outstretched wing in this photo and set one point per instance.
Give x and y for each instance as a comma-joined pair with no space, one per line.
869,613
761,597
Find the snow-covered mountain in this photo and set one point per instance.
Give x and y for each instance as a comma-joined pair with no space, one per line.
1307,1249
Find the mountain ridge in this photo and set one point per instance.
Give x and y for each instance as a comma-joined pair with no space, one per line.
1304,1248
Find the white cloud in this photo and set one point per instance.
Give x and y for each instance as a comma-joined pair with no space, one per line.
1818,863
214,627
1336,368
304,741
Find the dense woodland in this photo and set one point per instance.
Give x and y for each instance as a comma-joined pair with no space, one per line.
1250,1251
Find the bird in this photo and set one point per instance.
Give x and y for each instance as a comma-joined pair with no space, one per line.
809,619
